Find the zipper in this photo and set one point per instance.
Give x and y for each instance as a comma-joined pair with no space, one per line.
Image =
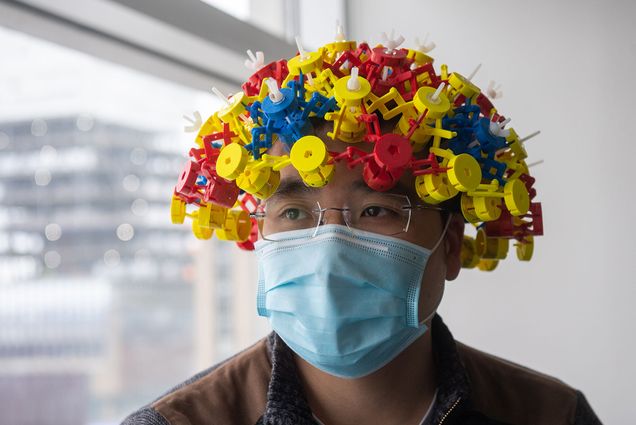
448,412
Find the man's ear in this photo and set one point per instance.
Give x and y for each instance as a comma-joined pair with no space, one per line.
453,245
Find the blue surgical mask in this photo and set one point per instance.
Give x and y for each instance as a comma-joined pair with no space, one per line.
346,301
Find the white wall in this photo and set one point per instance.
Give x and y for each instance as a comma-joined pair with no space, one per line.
568,69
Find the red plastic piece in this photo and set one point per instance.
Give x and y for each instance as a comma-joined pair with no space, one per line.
431,164
351,155
226,135
395,58
504,227
277,70
354,60
380,178
186,184
221,192
373,126
392,151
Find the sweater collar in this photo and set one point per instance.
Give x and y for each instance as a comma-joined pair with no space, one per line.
286,402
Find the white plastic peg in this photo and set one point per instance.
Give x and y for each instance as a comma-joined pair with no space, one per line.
435,97
221,96
530,136
391,42
494,91
274,92
424,46
255,62
472,74
301,51
497,128
340,35
353,84
195,122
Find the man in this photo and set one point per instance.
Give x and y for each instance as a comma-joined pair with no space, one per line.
352,266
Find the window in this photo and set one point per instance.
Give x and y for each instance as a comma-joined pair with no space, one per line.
98,295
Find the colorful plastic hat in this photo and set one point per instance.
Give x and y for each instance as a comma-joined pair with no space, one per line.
447,133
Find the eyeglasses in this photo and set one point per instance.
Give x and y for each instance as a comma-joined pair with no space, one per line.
383,213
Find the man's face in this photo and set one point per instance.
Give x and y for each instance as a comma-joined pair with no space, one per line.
426,225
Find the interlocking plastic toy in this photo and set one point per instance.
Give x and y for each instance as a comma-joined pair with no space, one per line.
471,152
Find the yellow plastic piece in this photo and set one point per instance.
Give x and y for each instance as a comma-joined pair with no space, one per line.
309,156
525,249
439,133
211,125
346,126
420,136
515,145
269,187
487,265
439,187
422,191
487,208
253,177
277,163
324,84
374,103
203,217
468,208
177,210
462,85
344,96
333,49
232,161
423,133
310,63
200,232
234,109
444,71
308,153
320,177
237,226
490,248
211,216
469,256
519,167
423,101
464,173
419,57
516,197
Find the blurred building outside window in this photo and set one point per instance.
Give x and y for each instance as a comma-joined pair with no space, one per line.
104,304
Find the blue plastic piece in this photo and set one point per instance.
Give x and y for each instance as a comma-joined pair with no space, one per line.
288,119
201,180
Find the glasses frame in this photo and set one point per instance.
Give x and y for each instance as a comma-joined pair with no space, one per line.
261,214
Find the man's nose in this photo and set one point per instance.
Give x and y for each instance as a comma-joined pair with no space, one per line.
335,216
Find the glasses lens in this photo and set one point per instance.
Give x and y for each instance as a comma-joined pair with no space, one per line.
381,213
287,214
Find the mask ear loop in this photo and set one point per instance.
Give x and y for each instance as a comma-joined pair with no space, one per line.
437,244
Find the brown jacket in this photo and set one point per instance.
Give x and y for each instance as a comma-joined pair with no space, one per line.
259,386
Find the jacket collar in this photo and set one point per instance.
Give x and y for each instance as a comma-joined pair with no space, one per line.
286,402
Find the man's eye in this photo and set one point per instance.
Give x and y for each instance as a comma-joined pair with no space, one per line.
373,211
293,214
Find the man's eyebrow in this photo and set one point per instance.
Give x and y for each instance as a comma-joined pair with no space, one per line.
291,187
